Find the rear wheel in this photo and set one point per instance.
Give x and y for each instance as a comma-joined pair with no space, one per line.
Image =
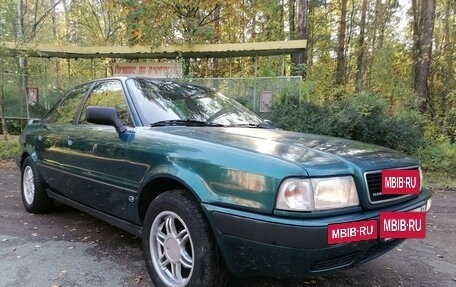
34,196
178,244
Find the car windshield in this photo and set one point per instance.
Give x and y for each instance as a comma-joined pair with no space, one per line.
162,100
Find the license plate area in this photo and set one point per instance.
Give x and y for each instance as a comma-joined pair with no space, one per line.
418,209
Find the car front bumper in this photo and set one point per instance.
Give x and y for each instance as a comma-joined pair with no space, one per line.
259,245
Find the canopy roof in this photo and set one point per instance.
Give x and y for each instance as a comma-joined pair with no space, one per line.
167,52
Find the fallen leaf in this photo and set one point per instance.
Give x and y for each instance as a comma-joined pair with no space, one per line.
138,280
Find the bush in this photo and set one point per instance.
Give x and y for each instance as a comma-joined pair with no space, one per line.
362,117
9,149
439,157
14,126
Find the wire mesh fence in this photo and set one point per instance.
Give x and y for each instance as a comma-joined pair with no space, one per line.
42,92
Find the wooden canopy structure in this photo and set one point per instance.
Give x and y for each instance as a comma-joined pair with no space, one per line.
161,52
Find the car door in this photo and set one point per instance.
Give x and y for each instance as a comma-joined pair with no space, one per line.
52,147
99,154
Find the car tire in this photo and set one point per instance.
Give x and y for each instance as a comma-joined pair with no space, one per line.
34,196
178,243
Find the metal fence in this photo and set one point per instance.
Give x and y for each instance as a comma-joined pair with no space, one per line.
255,93
44,91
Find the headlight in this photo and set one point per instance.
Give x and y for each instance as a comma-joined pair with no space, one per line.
428,204
298,194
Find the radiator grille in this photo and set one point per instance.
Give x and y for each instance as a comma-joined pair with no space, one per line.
374,187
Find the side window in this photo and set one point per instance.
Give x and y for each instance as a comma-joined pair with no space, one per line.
108,94
66,110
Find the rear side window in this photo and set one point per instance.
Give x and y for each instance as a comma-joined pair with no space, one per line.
66,110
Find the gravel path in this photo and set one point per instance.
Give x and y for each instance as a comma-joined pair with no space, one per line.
69,248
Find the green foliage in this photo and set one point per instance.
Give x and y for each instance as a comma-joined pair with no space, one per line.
439,157
37,111
9,149
362,117
450,125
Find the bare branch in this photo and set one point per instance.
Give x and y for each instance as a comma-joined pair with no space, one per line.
41,19
202,23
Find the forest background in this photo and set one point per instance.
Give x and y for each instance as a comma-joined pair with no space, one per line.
379,71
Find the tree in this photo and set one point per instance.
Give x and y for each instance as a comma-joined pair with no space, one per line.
36,20
299,60
2,106
361,48
341,64
424,55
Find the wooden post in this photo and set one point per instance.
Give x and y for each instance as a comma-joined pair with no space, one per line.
91,69
68,69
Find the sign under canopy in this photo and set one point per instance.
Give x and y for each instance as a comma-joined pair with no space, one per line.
152,70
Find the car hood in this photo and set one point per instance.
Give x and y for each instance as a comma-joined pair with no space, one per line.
319,155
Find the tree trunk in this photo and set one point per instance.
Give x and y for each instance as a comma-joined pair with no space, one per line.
360,59
22,61
449,55
215,72
341,65
215,66
310,34
291,18
423,67
374,49
299,60
416,39
385,12
58,77
2,108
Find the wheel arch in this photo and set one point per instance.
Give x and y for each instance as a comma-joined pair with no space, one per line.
22,158
158,185
27,151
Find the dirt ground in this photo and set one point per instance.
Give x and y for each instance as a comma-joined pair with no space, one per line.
69,248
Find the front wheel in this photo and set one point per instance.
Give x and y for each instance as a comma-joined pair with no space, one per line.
33,193
178,244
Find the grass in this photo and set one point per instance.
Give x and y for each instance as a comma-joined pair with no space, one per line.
438,181
9,149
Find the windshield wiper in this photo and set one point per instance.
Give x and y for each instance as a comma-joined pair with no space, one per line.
250,125
188,123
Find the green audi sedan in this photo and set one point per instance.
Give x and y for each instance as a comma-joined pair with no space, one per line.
210,187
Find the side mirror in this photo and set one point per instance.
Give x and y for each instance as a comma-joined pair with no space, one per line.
105,116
